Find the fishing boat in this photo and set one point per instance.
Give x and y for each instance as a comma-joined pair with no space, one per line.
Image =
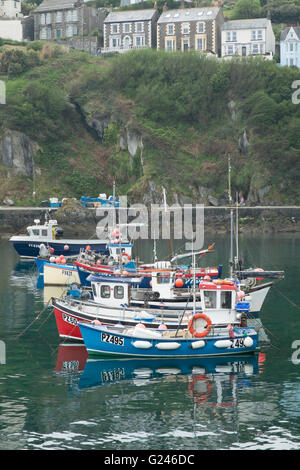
190,342
51,235
112,304
61,270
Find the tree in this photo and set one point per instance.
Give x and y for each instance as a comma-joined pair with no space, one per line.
244,9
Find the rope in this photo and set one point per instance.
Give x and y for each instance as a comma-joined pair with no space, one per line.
289,300
35,319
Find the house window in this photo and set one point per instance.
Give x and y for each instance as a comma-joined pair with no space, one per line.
230,50
170,29
139,27
43,18
126,28
75,30
291,46
200,28
115,42
58,17
253,35
48,18
228,36
114,28
234,36
43,33
200,44
139,41
185,28
75,15
254,48
69,31
58,33
259,35
185,45
169,45
69,15
291,61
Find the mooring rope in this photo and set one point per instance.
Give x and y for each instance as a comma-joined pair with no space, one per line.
35,319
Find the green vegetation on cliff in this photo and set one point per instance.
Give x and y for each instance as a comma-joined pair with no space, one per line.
187,113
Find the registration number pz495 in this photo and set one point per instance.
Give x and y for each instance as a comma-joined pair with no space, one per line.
113,339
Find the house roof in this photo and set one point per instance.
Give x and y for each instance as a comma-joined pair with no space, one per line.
286,31
189,14
130,15
252,23
52,5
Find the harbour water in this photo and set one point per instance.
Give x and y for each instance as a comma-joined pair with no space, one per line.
53,397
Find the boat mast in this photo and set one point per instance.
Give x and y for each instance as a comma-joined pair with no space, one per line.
231,219
236,258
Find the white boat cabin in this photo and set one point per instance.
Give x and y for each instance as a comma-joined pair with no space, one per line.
217,301
114,292
47,231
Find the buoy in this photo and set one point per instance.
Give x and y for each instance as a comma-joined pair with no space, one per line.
223,343
140,325
150,283
198,344
168,346
96,322
240,294
162,326
88,247
142,344
207,278
179,282
66,247
52,259
51,249
63,261
248,342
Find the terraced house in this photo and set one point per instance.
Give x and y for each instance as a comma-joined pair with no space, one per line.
190,29
131,29
55,19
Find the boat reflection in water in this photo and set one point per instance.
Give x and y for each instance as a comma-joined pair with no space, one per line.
209,380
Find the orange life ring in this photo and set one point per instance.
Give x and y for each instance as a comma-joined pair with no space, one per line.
191,327
127,255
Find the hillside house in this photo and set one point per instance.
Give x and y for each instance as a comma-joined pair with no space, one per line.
290,46
131,29
55,19
248,37
195,29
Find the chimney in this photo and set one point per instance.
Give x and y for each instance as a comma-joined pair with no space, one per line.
165,7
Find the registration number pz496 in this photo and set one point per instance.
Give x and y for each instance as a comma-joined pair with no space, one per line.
108,338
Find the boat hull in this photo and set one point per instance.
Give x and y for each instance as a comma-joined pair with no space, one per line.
31,248
60,275
67,319
99,340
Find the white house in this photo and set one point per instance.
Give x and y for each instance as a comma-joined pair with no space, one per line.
248,37
10,8
11,20
290,46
